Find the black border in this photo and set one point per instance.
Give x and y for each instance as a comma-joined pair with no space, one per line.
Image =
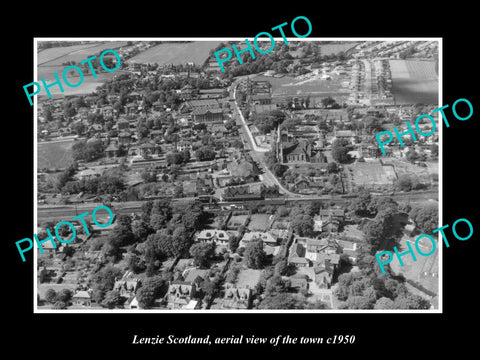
377,333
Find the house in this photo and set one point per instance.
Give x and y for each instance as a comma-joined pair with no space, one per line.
123,124
82,298
131,303
112,150
208,115
239,193
126,288
95,128
148,148
349,248
236,298
321,246
179,294
299,282
350,135
107,111
300,151
189,92
124,137
325,272
302,183
260,99
266,237
219,237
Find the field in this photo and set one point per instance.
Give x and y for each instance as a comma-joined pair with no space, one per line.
59,55
177,53
414,82
54,154
366,174
424,270
316,88
327,49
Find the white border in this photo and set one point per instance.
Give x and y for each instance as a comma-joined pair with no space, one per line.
252,311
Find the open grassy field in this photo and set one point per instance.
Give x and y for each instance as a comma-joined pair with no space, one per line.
176,53
59,55
327,49
54,155
88,85
414,82
424,270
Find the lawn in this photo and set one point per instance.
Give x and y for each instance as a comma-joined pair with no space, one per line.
424,270
248,277
259,222
177,53
54,155
414,82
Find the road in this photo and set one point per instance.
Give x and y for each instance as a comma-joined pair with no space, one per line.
257,154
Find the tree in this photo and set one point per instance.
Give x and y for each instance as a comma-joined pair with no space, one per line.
104,279
412,155
202,253
64,295
328,102
280,301
279,169
254,254
112,299
411,301
140,230
269,121
302,224
332,167
205,153
340,149
384,303
149,176
69,110
135,263
425,218
276,285
87,151
152,288
60,305
359,302
50,296
181,240
175,157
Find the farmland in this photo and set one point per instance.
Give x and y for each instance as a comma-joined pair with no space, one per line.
54,155
50,61
177,53
414,82
328,49
59,55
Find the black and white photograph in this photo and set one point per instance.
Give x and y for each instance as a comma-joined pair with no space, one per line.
216,180
258,186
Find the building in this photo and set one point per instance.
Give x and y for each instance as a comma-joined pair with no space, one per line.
82,298
266,237
208,115
112,150
179,294
236,298
219,237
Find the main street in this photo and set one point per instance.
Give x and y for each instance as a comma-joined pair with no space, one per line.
258,153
